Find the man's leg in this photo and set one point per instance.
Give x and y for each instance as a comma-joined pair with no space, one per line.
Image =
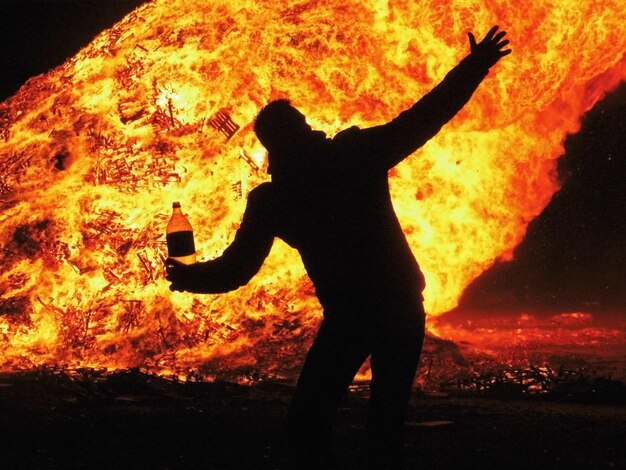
395,356
330,366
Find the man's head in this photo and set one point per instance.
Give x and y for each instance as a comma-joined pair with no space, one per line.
279,126
288,138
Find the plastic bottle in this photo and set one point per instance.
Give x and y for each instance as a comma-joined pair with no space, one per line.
179,235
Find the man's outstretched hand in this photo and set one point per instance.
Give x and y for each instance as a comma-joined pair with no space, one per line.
180,275
491,49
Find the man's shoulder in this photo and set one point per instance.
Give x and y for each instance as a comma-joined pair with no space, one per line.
261,204
261,192
347,135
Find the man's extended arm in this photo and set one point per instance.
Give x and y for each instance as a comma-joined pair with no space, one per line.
392,142
239,262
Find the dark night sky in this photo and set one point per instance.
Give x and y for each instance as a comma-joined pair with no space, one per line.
574,255
38,35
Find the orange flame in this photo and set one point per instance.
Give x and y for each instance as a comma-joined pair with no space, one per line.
159,108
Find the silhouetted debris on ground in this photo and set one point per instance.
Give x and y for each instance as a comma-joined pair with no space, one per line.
564,385
89,419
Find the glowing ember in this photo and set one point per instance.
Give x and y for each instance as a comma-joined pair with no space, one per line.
159,109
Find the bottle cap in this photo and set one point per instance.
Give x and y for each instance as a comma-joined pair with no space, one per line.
176,205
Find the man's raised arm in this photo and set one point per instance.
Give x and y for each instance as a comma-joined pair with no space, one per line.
396,140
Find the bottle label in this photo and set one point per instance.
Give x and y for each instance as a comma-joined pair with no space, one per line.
180,244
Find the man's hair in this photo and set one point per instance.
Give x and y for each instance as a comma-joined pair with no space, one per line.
267,125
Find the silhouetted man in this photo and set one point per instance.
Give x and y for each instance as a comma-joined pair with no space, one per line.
329,199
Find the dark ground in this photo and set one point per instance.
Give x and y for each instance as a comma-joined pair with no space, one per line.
53,421
132,420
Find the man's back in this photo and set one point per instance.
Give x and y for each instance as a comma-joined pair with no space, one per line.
342,222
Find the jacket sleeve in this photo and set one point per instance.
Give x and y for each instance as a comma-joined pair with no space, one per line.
243,258
385,146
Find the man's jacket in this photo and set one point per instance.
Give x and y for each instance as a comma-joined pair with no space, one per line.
336,209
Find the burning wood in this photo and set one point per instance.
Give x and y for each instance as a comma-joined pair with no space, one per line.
237,189
130,319
15,308
224,123
120,121
248,159
5,187
130,111
11,167
152,260
164,118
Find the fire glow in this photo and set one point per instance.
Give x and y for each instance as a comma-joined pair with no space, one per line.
160,108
